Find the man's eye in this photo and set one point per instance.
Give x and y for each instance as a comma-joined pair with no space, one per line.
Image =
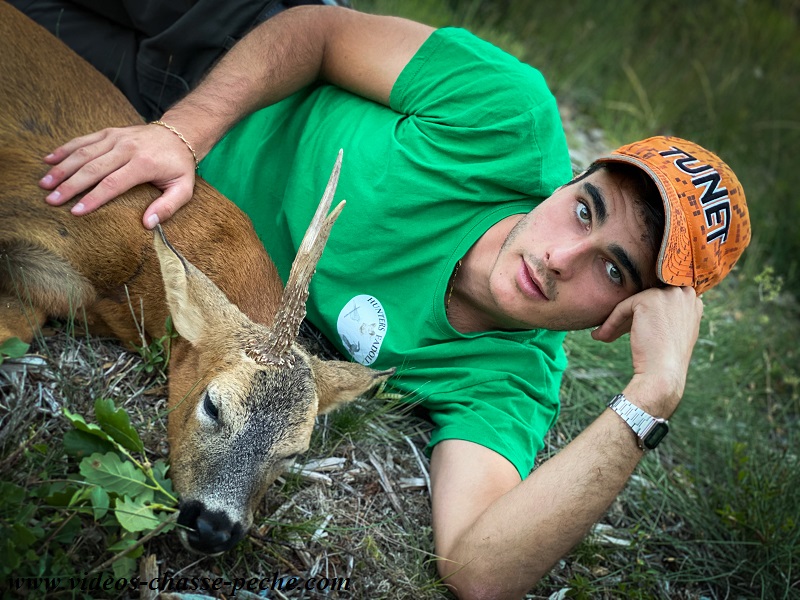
614,273
583,214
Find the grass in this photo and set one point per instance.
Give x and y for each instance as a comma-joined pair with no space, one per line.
713,513
331,519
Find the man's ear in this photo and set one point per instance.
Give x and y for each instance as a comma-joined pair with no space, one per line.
339,382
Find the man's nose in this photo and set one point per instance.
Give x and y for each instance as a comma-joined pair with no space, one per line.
564,258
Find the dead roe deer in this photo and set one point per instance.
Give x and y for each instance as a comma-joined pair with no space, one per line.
243,395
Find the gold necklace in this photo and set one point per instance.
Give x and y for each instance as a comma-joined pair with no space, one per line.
452,286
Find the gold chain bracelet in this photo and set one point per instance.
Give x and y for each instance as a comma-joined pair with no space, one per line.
183,139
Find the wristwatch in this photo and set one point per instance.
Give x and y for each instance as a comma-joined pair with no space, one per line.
649,430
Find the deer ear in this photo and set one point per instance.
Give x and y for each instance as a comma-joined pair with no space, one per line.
340,382
193,299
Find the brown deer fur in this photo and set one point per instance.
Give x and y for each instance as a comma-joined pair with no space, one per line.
105,268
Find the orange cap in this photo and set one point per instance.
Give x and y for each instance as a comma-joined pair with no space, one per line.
707,226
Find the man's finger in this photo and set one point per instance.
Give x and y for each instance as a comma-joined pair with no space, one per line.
83,169
166,205
618,323
62,152
68,159
108,188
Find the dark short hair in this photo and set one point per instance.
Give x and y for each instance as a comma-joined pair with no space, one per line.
645,194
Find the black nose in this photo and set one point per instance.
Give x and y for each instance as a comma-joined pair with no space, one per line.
209,532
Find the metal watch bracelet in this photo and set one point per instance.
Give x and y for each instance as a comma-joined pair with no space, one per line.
649,430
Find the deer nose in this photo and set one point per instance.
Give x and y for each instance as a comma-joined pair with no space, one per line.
207,531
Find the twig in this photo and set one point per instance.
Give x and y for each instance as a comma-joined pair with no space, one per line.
169,520
420,462
385,483
50,537
320,532
332,463
313,476
280,595
148,571
11,458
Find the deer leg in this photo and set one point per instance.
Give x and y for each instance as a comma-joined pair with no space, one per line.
36,283
18,319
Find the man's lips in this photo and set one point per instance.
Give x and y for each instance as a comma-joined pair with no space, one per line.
529,283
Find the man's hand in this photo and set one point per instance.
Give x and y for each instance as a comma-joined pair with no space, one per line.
112,161
664,324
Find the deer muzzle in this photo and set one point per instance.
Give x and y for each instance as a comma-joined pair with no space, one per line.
208,531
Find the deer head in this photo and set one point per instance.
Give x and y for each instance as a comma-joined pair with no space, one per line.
244,396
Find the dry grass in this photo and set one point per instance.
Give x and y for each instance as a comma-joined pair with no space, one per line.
356,506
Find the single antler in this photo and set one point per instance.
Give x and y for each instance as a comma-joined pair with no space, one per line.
286,325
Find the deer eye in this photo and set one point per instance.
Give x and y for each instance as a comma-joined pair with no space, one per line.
210,408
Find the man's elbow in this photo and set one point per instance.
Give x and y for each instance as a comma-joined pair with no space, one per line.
473,582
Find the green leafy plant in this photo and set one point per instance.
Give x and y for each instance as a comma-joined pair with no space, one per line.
139,492
769,284
155,355
127,496
13,348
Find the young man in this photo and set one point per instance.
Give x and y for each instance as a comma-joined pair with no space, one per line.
461,256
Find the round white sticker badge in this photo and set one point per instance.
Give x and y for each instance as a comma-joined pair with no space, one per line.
362,327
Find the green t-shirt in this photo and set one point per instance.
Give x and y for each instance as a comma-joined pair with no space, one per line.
472,136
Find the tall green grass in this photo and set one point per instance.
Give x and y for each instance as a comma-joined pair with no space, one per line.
720,512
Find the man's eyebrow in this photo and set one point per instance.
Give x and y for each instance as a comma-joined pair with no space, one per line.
624,259
600,216
598,202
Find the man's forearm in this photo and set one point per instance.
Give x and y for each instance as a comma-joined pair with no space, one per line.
358,52
521,535
274,60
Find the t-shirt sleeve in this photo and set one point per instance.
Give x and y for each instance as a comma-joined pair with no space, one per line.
497,415
500,391
466,98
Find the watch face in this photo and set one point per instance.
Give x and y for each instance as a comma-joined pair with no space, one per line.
654,436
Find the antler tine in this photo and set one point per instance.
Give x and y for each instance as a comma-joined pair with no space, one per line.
293,303
319,229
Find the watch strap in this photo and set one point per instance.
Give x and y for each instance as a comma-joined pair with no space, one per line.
641,422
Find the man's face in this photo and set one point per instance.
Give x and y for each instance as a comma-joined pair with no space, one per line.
572,259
